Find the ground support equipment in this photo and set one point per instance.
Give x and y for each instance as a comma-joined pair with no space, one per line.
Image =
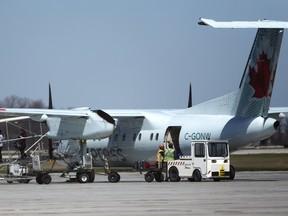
154,170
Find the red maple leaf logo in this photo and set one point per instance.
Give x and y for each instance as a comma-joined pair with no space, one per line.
260,80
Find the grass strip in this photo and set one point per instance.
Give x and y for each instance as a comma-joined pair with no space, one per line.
260,162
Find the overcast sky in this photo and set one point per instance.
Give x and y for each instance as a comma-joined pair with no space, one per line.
128,53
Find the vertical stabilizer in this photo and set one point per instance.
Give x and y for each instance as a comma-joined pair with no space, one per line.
254,95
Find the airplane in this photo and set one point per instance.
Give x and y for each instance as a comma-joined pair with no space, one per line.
241,117
126,136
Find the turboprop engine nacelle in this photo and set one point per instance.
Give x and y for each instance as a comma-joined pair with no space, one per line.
263,127
96,125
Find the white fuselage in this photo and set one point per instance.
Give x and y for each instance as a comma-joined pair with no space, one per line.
137,138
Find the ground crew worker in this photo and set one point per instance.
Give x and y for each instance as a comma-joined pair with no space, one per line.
22,142
169,153
160,156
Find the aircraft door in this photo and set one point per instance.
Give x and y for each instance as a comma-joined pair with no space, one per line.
172,135
199,157
114,139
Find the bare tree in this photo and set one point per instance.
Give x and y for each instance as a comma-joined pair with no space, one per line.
31,127
21,102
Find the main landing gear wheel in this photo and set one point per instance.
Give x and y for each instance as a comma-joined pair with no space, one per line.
114,177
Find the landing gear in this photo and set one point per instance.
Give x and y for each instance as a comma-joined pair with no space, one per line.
79,171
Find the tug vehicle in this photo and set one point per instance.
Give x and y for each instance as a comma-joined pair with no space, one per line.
208,160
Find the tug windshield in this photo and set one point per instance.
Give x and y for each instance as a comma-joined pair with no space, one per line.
218,149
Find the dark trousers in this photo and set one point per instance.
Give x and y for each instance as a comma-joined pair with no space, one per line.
22,153
0,154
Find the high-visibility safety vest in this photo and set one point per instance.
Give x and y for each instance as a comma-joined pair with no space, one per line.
169,154
159,157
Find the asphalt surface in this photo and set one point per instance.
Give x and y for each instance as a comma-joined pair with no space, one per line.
251,193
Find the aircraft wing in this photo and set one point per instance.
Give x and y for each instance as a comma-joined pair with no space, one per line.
38,113
80,123
277,112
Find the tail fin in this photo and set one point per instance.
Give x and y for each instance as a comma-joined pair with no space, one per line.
255,90
254,94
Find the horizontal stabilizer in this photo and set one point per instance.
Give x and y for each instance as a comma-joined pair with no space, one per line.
244,24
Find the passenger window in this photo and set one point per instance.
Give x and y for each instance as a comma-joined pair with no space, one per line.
157,136
199,150
139,137
151,136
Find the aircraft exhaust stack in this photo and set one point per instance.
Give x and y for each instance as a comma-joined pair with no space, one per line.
276,125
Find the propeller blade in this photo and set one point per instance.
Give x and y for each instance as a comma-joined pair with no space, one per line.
190,96
50,106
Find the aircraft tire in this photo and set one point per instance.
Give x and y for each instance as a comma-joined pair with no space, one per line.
174,174
159,176
83,177
114,177
197,175
149,177
46,179
232,173
39,178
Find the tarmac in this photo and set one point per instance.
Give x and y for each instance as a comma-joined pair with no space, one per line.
251,193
